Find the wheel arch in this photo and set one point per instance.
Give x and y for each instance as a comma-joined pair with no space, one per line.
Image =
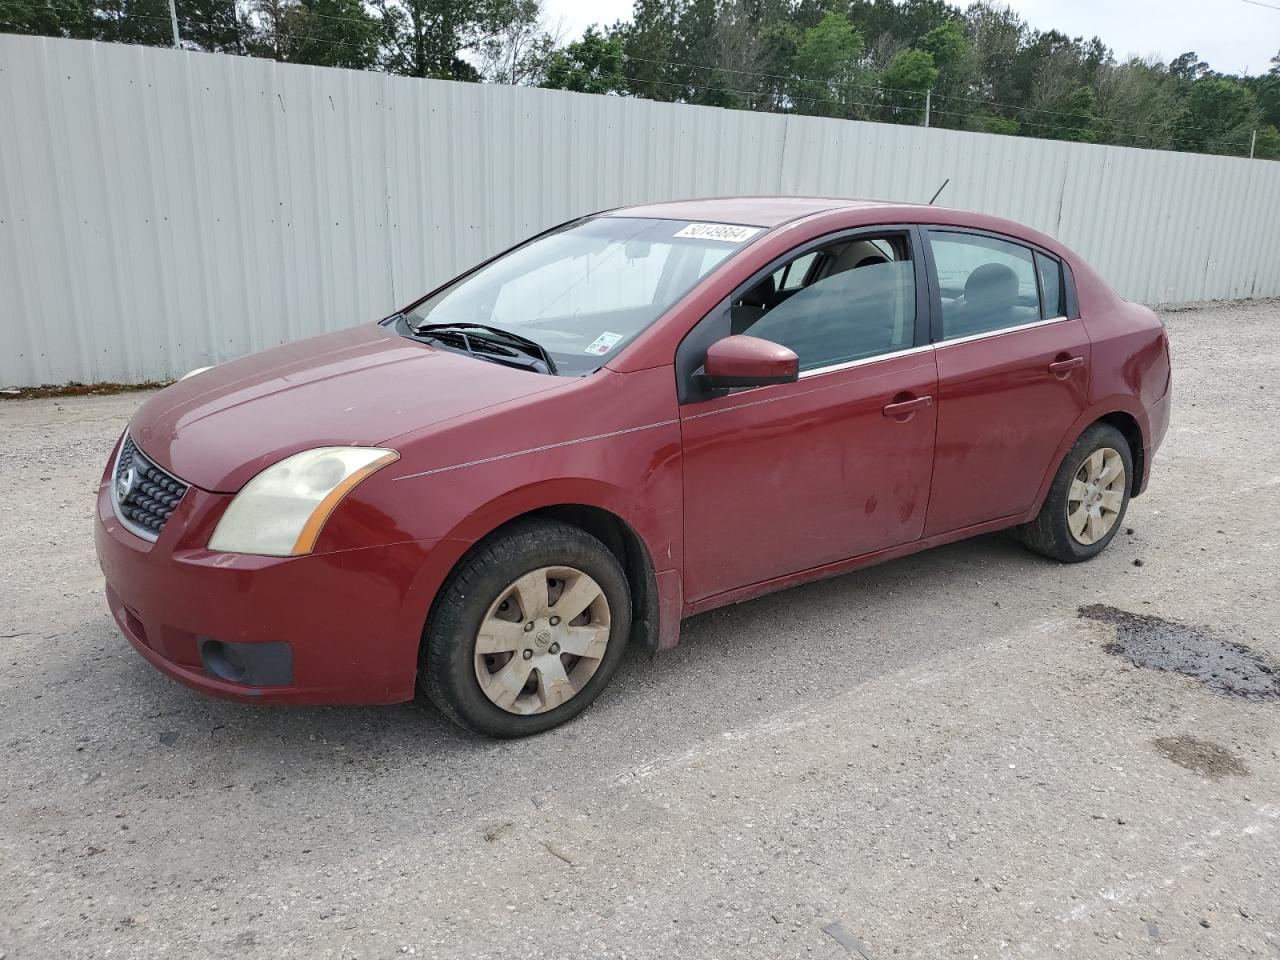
1131,430
1123,413
605,523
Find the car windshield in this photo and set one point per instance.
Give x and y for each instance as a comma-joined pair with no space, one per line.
584,292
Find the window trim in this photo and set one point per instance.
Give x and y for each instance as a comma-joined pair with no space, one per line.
715,325
935,286
863,361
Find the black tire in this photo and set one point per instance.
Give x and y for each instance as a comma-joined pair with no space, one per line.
1048,533
446,668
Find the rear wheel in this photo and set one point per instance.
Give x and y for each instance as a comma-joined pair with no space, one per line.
1087,500
527,631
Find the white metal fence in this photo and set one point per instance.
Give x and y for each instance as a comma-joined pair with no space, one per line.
162,210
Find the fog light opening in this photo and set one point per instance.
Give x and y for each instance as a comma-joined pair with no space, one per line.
221,661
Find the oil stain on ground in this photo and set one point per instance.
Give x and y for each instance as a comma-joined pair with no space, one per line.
1201,756
1224,666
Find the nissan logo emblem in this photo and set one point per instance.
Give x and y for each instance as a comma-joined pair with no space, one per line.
124,483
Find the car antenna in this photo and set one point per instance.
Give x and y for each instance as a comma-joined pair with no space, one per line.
940,189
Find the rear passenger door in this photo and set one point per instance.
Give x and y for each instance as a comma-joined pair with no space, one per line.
1013,374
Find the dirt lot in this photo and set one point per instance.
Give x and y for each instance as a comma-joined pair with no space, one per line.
938,757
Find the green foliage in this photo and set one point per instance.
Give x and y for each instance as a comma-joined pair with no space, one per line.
827,67
906,79
1220,115
947,44
983,66
590,65
1268,145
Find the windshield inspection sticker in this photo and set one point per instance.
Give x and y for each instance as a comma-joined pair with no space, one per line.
603,344
725,232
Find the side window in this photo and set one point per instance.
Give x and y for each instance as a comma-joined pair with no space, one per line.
1051,286
791,277
985,284
858,301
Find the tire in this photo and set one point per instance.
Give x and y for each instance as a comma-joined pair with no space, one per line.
1051,533
482,607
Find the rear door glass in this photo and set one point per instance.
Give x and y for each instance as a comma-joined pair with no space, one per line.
986,284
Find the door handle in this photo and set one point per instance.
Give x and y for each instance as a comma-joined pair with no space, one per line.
1061,368
905,408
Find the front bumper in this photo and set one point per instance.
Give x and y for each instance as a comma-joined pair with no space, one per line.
352,619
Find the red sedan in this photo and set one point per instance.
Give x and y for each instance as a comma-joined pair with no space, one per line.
631,418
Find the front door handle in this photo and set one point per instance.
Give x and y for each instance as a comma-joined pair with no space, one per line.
1061,368
903,409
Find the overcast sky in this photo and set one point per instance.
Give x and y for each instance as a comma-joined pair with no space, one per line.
1232,35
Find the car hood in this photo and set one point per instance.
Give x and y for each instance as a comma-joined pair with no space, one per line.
358,387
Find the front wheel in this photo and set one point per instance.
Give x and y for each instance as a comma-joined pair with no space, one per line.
1087,500
527,630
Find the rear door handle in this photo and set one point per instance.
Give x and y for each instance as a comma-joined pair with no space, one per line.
905,408
1060,368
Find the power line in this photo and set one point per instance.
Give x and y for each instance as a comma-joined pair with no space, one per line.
853,84
1259,3
771,76
898,109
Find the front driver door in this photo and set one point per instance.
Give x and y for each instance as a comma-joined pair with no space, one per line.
783,478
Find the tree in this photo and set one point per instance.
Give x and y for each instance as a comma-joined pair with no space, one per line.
211,25
517,51
325,33
827,68
1137,104
133,21
1268,145
435,38
1188,67
647,44
909,75
49,18
696,52
1220,117
592,64
952,54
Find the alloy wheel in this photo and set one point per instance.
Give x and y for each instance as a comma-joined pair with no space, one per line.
1096,496
542,640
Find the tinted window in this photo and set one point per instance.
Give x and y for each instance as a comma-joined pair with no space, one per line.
1051,287
985,284
856,300
791,277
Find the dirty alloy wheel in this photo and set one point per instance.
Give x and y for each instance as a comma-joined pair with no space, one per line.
527,630
1087,500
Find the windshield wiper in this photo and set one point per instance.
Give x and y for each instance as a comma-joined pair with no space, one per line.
497,336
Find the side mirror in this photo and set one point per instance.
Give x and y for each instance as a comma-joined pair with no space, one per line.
744,361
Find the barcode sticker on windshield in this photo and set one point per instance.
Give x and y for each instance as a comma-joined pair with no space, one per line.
727,232
603,344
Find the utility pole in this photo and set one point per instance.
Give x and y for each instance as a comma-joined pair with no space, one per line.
928,102
173,19
1253,142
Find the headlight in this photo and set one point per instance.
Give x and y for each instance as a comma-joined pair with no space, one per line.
279,512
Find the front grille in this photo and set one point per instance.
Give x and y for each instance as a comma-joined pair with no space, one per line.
144,495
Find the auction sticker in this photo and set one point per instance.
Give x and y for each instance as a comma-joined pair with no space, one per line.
603,344
726,232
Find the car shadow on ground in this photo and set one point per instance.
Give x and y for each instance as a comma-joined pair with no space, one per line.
733,665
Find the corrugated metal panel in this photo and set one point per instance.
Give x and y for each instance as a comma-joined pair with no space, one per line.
162,210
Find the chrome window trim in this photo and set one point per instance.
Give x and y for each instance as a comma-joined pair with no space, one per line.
863,361
996,333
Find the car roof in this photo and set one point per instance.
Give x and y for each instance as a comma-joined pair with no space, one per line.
755,211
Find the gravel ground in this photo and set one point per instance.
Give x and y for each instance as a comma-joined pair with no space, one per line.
937,757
